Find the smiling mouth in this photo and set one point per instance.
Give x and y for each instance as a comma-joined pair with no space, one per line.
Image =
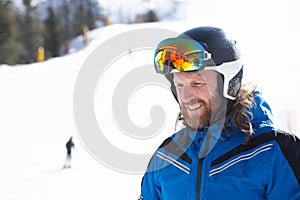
193,106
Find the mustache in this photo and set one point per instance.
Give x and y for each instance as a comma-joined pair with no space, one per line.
193,102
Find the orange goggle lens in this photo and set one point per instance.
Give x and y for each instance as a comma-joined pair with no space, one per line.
179,53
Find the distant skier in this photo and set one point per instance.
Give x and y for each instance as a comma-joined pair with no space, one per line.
69,146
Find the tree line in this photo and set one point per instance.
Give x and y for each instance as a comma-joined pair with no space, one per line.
24,29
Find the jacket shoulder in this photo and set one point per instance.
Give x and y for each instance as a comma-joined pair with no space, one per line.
289,145
171,146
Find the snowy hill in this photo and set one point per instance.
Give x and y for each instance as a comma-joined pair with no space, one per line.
37,118
36,115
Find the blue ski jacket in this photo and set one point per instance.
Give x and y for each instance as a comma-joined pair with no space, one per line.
266,167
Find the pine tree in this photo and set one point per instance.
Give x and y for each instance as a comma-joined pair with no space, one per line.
92,10
9,47
53,35
28,24
65,20
151,16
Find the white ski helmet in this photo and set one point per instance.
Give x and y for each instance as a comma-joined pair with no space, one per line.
202,48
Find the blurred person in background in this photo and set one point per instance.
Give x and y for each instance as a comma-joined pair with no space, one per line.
69,145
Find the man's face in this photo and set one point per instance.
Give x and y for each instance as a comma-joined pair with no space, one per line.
198,96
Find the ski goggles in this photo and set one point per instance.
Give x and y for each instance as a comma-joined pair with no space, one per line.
180,54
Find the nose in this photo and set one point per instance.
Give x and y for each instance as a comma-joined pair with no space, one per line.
187,94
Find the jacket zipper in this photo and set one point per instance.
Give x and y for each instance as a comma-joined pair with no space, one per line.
199,180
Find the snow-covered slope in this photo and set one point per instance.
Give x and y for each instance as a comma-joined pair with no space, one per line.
36,121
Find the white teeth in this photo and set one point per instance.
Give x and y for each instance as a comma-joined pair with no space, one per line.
193,107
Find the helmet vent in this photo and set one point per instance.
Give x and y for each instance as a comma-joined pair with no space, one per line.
234,86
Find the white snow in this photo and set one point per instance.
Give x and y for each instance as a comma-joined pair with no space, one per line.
36,114
36,122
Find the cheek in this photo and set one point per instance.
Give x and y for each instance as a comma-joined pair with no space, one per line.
186,93
213,88
204,94
212,92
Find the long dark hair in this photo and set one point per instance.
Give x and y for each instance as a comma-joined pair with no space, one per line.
239,108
